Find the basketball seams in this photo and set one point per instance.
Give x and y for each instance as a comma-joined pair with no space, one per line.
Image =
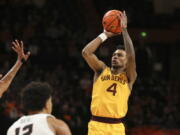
109,17
118,23
112,22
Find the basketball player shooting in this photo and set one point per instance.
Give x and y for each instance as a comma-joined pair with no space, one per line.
37,103
112,85
18,47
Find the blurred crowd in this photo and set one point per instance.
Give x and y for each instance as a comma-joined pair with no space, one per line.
55,33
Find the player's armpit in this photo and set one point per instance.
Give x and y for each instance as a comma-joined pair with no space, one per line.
59,127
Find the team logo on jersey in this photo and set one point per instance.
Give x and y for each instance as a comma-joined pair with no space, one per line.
119,78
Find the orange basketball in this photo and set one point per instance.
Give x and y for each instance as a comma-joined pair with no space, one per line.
111,21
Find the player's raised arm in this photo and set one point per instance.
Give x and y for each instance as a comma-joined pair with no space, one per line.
129,48
89,53
7,79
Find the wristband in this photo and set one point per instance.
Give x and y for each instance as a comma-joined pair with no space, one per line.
103,37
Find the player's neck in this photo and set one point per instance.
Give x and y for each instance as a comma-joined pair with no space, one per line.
37,112
116,70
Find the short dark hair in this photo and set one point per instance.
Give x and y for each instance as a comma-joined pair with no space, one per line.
121,47
35,95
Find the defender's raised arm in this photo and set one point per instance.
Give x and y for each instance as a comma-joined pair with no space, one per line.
18,47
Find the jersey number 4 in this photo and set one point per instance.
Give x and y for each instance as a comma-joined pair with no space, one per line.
112,89
26,129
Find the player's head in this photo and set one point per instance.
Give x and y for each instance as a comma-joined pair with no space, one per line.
119,58
36,97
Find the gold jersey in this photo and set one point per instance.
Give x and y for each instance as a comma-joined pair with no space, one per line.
110,95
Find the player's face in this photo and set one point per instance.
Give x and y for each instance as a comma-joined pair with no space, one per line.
49,105
119,59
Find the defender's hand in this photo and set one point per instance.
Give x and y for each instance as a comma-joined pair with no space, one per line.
18,47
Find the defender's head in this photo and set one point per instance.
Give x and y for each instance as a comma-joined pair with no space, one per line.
119,59
36,97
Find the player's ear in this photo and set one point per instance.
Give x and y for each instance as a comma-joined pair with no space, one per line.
48,105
